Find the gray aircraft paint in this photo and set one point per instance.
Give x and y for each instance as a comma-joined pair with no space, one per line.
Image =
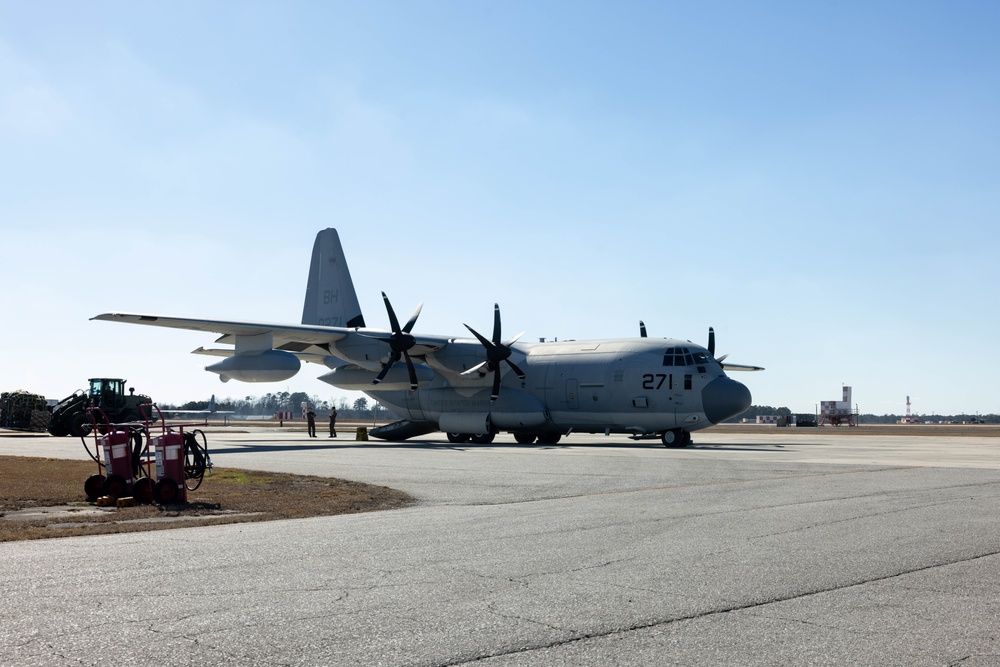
641,386
330,297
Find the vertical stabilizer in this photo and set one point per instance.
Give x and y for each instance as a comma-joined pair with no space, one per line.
330,297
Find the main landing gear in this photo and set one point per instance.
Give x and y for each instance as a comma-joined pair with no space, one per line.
676,438
545,438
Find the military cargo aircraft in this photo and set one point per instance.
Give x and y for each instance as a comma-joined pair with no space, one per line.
473,388
212,409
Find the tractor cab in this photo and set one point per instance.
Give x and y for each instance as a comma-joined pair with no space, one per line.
108,393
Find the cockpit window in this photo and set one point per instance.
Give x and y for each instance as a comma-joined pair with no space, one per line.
683,356
677,356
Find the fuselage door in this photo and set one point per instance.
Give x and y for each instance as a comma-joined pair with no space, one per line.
414,406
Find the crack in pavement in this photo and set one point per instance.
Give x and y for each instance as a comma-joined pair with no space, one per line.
707,614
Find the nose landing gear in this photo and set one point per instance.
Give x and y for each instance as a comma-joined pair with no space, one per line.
676,438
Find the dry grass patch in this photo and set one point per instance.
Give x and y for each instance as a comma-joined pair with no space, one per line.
226,496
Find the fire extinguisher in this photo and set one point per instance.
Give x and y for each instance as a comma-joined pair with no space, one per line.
181,462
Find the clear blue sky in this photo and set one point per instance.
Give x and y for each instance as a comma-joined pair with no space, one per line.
818,181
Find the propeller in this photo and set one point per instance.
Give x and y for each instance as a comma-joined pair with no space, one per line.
496,352
400,341
711,346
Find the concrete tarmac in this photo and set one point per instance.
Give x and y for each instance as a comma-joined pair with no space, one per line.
746,549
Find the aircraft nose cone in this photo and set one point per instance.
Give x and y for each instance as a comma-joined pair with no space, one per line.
724,398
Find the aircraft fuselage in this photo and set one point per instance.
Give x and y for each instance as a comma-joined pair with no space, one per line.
638,386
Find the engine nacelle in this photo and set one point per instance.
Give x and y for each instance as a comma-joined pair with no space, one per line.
354,378
266,366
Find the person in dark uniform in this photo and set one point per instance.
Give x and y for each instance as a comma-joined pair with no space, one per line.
311,422
333,422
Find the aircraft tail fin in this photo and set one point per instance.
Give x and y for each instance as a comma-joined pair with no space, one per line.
330,296
211,404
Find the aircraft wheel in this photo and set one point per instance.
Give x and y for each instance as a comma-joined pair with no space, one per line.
483,438
458,438
676,438
524,438
549,438
93,486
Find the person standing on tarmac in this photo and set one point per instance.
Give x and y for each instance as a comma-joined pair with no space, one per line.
311,422
333,422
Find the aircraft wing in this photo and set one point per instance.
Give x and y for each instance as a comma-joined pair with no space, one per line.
299,339
740,367
309,334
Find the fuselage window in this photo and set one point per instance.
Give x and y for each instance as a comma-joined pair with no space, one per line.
687,382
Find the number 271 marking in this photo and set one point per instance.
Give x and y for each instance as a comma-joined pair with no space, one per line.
649,380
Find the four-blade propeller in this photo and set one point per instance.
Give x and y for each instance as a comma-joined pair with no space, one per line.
496,352
711,346
400,341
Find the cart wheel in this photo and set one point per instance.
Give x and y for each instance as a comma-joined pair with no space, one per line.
93,487
142,490
165,491
115,486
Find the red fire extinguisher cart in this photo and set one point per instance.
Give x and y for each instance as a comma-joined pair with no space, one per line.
168,448
179,458
118,454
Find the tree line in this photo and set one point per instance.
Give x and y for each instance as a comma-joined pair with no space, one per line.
363,408
283,401
869,418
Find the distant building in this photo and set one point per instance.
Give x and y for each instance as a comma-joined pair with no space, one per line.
838,413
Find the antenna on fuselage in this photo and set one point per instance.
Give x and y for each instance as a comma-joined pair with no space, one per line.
642,329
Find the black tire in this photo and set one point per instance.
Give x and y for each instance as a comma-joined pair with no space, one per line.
525,438
550,438
80,425
93,487
142,490
458,438
115,486
676,438
482,438
165,491
58,429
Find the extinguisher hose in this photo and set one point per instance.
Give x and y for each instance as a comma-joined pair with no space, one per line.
139,447
196,458
95,454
